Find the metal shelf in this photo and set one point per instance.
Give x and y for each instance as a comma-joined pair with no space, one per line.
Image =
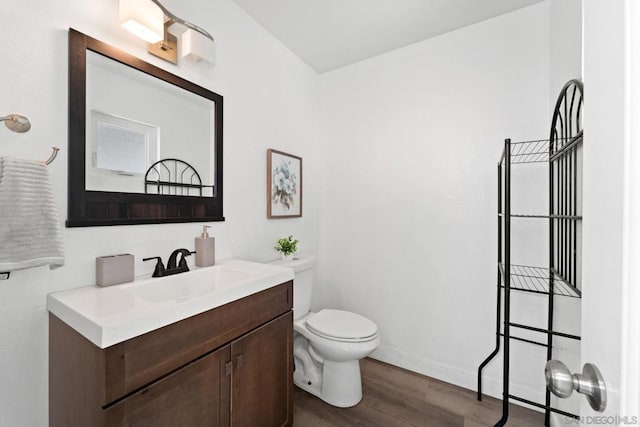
541,406
538,280
174,177
571,217
538,150
562,154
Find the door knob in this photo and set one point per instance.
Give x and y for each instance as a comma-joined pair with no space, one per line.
561,382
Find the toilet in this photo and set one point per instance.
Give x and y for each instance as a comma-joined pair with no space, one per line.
327,345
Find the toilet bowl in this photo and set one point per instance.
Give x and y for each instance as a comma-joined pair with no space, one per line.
334,375
328,344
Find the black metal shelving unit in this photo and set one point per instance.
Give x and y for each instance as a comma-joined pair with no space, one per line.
173,177
561,154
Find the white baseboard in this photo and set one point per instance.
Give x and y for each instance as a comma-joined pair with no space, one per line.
491,386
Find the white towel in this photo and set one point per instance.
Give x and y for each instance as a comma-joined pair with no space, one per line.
30,234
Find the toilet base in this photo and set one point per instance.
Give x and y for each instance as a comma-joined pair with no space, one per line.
341,385
314,388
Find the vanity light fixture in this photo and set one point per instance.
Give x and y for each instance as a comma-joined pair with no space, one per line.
197,47
150,21
143,19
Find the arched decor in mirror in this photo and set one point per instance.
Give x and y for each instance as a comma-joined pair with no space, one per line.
126,115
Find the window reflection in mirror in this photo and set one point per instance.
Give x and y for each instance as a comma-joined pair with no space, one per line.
134,120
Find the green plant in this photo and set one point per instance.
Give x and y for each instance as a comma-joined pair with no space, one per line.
287,245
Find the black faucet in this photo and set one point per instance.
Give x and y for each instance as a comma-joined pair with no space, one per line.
173,266
173,260
159,270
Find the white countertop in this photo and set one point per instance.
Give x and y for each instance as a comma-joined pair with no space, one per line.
109,315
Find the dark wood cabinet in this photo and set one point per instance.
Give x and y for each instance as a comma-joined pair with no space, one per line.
231,365
195,395
262,376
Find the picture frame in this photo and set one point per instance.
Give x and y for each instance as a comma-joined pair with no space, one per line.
284,185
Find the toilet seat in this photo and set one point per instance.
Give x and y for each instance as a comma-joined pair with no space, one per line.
339,325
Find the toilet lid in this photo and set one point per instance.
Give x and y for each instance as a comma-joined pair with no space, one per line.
341,325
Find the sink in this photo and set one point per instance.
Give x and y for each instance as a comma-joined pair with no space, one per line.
107,316
192,284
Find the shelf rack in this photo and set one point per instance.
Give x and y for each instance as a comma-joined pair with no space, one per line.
561,153
173,177
538,280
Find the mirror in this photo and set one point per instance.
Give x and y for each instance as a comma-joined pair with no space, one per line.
125,138
145,146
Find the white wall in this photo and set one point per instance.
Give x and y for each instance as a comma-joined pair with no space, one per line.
408,209
565,36
271,101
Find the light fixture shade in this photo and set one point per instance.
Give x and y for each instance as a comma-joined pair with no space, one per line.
197,47
142,18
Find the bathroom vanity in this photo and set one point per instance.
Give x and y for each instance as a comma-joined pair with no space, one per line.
228,364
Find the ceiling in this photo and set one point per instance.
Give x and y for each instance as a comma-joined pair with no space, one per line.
328,34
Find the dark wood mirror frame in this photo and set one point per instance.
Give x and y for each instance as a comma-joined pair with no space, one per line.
95,208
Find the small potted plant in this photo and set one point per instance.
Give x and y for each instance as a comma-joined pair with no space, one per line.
287,246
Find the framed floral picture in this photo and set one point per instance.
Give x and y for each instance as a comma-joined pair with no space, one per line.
284,185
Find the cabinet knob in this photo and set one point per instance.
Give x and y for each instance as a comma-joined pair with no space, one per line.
228,368
238,361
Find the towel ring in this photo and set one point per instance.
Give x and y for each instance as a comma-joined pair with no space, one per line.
53,156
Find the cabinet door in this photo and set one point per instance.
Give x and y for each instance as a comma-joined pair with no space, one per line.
262,378
195,395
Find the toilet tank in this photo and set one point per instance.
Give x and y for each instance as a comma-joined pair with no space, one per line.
302,282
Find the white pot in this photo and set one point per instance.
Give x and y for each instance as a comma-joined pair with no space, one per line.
286,257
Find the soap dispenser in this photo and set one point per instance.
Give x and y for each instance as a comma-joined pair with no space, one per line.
205,248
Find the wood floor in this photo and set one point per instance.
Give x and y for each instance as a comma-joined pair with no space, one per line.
395,397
